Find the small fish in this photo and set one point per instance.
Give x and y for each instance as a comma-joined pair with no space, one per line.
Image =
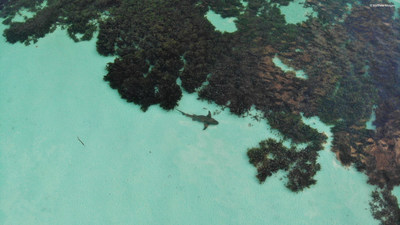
81,141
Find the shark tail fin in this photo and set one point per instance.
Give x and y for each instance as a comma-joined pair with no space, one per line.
181,112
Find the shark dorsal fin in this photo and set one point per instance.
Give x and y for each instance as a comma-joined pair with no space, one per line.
209,114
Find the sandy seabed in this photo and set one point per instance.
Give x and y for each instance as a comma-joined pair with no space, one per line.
140,168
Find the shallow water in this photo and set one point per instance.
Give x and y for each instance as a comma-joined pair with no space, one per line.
370,123
299,73
396,4
221,24
140,168
296,13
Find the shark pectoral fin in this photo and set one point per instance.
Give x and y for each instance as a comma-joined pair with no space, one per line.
209,114
205,126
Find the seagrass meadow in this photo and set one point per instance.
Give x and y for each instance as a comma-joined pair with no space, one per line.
156,53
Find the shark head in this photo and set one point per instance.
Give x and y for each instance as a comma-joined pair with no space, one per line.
210,121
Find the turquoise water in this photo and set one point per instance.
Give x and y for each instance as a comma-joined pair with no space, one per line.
299,73
221,24
369,124
245,4
25,14
396,4
296,13
396,192
22,15
140,168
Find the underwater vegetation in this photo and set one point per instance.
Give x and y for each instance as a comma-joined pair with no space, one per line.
329,11
2,2
159,47
14,6
352,65
292,126
272,156
384,207
301,165
78,17
226,8
351,58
